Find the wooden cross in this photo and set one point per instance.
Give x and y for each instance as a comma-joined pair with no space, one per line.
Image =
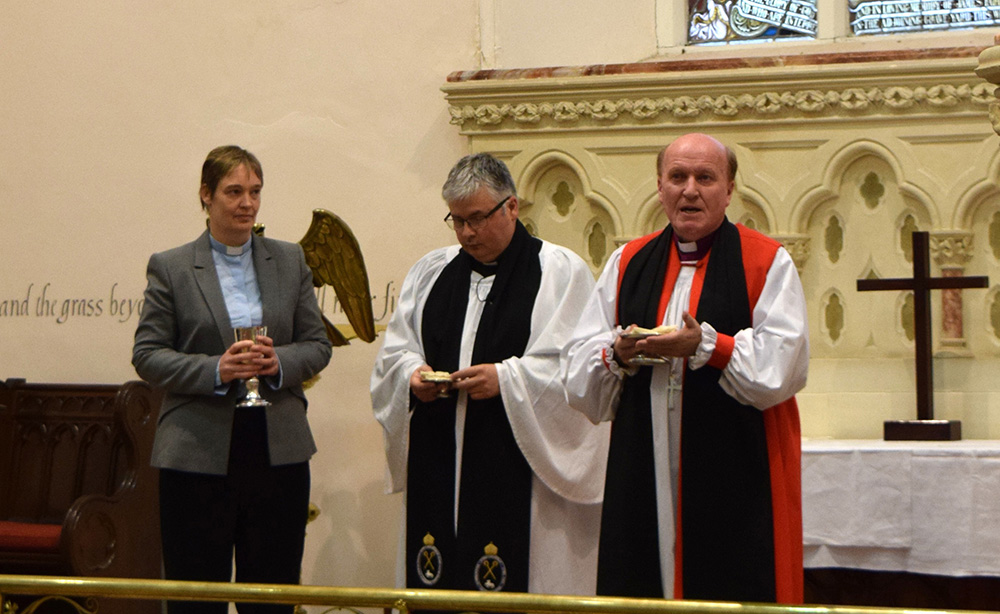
921,284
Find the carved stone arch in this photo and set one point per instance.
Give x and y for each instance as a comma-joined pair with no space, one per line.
561,206
543,162
922,202
810,202
973,248
535,168
650,216
870,270
978,194
839,162
747,204
973,200
980,217
911,219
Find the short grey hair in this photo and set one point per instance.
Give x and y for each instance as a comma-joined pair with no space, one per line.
474,172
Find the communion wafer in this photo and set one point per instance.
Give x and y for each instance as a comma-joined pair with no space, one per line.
435,376
659,330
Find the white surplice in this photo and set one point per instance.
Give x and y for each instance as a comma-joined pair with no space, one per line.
769,364
568,454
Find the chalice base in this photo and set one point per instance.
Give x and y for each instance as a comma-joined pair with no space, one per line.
253,398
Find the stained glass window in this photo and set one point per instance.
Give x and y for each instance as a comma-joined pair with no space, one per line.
893,16
728,21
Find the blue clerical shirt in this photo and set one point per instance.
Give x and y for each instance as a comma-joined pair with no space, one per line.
238,279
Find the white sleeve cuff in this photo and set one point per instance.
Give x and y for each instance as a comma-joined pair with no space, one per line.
609,358
705,349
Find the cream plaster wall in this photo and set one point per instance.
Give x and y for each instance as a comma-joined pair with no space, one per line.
525,33
107,110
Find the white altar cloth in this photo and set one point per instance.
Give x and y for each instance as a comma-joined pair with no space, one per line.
916,506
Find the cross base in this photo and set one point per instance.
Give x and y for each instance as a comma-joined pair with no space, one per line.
922,430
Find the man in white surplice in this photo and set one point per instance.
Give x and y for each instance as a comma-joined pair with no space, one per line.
702,497
503,481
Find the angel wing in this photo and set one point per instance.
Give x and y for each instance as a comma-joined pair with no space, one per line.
335,258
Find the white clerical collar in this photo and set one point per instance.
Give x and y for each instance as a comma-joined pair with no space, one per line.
693,251
687,247
229,250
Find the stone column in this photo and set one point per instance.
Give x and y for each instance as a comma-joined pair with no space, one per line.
797,246
989,69
951,250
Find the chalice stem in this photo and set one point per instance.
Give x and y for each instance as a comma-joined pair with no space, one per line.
252,398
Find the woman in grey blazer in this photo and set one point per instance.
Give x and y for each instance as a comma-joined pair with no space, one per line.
232,479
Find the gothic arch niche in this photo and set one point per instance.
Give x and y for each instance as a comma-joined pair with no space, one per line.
906,224
557,207
747,211
832,317
856,231
981,309
905,330
833,238
652,215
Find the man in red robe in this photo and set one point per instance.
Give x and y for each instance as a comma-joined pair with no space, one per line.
702,493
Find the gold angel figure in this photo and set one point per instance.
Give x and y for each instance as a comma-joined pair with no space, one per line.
335,258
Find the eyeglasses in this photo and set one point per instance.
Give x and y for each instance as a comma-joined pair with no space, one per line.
476,222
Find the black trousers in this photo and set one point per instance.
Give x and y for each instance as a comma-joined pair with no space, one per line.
256,511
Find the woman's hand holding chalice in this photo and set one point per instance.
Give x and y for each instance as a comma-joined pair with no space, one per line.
251,356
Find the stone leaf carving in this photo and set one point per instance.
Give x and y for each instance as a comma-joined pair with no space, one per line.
812,102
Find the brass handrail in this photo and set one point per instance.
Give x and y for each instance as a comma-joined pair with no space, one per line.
403,600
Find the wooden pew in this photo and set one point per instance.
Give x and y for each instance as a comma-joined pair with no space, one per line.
77,494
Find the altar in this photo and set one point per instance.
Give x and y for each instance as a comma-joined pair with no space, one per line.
913,522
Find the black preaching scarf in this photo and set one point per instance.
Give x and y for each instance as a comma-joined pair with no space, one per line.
495,490
725,499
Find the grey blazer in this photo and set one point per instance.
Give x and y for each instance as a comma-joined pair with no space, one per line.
183,331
